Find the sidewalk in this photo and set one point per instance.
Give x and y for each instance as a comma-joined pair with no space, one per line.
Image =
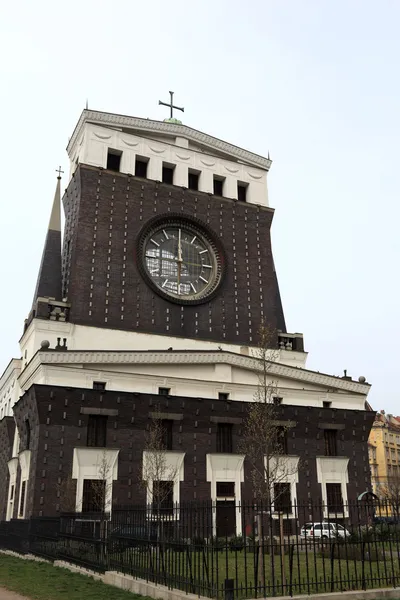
6,595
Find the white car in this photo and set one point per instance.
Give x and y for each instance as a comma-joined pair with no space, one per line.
323,530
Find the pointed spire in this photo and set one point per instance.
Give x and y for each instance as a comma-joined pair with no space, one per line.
48,283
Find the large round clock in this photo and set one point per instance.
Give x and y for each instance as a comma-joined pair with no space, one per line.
181,259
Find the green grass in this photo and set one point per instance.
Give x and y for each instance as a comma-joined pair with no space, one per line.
204,573
42,581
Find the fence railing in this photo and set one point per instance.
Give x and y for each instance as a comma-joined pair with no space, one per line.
226,550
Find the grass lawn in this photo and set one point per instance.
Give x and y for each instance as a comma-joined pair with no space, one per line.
42,581
204,573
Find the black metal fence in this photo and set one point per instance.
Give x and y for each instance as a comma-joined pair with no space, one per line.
225,550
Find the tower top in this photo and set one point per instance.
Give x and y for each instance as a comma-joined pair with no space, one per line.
171,108
48,283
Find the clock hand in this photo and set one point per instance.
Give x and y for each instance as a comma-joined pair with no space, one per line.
179,246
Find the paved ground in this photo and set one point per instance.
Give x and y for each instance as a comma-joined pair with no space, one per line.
6,595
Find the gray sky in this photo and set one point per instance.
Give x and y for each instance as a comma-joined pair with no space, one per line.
315,82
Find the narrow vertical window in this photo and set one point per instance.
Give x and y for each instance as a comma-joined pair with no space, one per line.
113,159
225,437
242,191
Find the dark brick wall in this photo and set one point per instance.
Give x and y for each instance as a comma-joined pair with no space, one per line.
101,277
28,411
7,428
61,427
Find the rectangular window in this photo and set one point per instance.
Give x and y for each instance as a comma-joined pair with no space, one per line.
97,431
193,181
167,427
334,499
330,437
141,167
282,439
225,489
113,160
326,404
242,191
22,499
282,498
168,174
12,493
163,496
99,385
223,396
219,186
225,437
163,391
93,497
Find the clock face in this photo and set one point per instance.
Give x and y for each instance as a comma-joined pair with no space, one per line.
181,261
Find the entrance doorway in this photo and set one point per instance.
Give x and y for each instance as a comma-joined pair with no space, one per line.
225,509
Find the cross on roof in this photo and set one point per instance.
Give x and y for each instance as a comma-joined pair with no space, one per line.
171,105
59,172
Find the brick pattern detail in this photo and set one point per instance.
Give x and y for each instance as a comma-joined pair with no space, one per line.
58,426
105,212
7,428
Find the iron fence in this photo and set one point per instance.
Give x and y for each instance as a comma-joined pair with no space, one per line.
226,550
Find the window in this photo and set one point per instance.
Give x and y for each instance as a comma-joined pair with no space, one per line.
27,435
168,174
163,496
218,186
12,493
330,436
242,191
141,167
97,431
223,396
167,425
193,180
334,499
277,400
94,495
113,160
224,437
225,489
22,499
282,439
99,385
326,404
282,499
164,391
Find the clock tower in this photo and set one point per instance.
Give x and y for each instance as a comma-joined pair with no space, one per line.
167,233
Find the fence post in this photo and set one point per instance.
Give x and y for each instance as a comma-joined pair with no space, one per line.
229,589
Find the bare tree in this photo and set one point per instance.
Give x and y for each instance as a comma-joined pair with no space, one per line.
390,493
264,435
101,488
158,476
264,442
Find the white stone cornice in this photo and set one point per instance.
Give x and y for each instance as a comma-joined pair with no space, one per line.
82,357
150,126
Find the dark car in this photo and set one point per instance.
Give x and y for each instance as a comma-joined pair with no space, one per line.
132,536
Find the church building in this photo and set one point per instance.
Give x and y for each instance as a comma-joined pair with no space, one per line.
150,308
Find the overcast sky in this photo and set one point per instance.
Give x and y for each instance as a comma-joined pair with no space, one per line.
314,82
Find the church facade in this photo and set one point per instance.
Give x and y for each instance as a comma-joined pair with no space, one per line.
150,309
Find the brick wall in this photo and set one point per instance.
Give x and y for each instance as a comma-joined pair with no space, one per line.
62,427
102,206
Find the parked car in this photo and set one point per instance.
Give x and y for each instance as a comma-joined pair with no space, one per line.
324,530
132,536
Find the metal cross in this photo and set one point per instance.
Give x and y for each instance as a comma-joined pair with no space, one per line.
171,105
59,172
